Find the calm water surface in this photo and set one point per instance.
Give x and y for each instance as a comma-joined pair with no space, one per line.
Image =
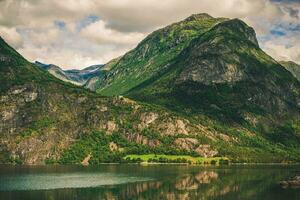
147,182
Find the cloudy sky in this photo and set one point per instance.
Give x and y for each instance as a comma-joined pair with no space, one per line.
79,33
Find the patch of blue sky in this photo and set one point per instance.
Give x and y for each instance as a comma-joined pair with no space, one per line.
285,1
294,28
291,27
87,21
60,24
277,33
285,29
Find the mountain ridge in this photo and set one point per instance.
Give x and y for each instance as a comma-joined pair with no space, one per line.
159,47
225,57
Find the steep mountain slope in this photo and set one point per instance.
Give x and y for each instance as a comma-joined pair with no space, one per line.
93,83
225,73
76,77
294,68
221,73
206,65
154,54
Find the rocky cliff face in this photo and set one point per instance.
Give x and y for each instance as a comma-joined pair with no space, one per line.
224,73
42,117
212,59
38,123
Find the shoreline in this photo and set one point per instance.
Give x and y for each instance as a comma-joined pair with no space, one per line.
157,163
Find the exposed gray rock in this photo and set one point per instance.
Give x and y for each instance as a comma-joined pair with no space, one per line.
140,139
113,146
208,72
111,126
85,161
147,119
188,144
192,144
174,127
206,151
292,183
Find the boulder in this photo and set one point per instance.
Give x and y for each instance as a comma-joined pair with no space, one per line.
291,183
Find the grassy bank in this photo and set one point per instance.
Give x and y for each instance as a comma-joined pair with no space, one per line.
153,158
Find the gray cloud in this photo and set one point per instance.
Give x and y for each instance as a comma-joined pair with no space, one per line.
293,12
285,1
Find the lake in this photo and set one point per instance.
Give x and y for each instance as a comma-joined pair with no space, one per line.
147,182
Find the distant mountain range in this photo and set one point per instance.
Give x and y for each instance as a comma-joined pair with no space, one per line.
77,77
200,87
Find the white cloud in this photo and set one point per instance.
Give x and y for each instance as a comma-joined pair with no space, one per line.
100,33
28,25
11,36
68,58
40,37
284,52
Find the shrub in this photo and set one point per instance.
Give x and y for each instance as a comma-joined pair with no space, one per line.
213,162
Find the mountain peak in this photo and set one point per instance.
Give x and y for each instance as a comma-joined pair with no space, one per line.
238,27
199,16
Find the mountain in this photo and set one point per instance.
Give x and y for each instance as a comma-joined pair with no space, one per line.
213,67
199,87
45,120
76,77
206,65
225,74
294,68
154,54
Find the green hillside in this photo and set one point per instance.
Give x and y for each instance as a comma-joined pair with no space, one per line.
201,87
154,54
224,73
294,68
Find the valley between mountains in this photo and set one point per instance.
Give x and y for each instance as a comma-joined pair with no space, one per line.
198,89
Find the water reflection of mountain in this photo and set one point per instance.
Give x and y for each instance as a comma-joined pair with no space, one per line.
205,185
193,182
202,184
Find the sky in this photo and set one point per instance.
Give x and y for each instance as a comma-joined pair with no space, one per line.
74,34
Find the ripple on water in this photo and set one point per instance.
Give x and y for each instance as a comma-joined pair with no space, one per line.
69,180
